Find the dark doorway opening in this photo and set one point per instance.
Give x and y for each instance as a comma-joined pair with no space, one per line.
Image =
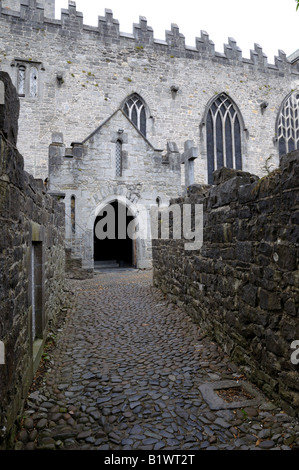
113,231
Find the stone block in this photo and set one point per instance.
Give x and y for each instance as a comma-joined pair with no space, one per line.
249,294
224,174
269,300
285,257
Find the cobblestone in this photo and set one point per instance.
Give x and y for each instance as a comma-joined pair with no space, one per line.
125,374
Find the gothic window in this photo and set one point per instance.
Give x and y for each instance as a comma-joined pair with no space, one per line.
223,129
33,82
288,125
134,108
118,158
21,80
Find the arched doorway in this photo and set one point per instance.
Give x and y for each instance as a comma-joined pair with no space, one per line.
113,236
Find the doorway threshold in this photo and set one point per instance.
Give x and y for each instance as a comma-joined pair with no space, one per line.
111,266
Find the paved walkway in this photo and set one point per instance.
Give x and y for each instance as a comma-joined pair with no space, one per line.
126,374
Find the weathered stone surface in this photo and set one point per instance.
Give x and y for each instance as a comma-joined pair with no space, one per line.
32,248
242,286
162,359
9,108
117,64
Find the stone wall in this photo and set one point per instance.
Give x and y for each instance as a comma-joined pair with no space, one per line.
31,266
242,286
87,172
100,66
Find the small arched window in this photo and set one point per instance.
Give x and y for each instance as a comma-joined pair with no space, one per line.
134,108
27,77
288,125
118,158
33,82
21,80
223,130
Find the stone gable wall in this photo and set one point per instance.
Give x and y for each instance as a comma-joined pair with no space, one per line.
101,66
27,216
242,287
87,172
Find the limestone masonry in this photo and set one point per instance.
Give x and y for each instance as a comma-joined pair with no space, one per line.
83,74
77,84
99,129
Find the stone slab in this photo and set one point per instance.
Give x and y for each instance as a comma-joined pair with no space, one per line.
215,402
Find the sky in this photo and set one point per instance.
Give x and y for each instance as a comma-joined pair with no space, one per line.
271,24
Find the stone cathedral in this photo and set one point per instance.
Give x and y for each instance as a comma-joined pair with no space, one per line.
108,116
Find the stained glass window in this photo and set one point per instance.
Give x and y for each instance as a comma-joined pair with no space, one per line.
134,108
288,125
223,136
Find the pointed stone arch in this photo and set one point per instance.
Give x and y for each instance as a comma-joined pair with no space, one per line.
287,124
224,134
141,244
135,108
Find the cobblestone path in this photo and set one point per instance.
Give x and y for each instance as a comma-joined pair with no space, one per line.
126,374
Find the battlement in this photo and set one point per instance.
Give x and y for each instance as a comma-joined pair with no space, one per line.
108,31
16,6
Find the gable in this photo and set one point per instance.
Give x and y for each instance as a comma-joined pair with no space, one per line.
120,124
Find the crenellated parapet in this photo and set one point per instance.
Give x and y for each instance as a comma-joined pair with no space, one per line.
108,32
258,57
175,39
71,18
204,45
108,27
143,33
31,10
232,51
281,61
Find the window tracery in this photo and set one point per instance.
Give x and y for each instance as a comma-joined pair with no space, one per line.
223,131
288,125
134,108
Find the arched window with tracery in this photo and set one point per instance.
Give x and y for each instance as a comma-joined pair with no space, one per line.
288,125
134,108
223,134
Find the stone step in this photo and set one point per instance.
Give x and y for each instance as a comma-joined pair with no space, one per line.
106,264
